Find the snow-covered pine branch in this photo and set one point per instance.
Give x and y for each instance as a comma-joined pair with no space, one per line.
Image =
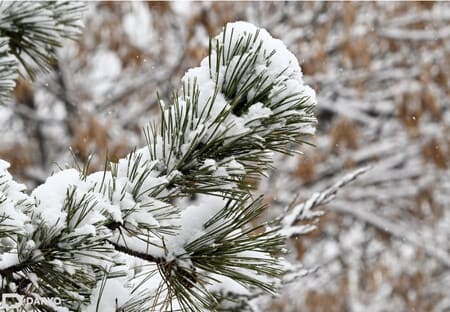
304,211
30,32
8,72
171,226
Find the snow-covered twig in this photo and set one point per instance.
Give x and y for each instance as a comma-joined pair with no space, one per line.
303,210
410,34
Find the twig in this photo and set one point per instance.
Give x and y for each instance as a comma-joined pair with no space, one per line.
303,210
136,254
15,268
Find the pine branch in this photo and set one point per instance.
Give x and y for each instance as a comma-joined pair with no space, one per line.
235,301
182,204
140,255
303,211
8,72
235,111
15,268
30,33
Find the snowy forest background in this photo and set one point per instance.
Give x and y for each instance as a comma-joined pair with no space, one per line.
382,76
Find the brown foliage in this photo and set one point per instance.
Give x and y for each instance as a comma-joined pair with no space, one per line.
328,301
344,133
162,7
93,138
19,156
24,92
427,206
410,111
357,53
306,169
437,153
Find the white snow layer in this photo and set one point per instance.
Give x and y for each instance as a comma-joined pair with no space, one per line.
283,72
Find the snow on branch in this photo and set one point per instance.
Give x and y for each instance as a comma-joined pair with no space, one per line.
303,211
30,32
8,72
171,226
